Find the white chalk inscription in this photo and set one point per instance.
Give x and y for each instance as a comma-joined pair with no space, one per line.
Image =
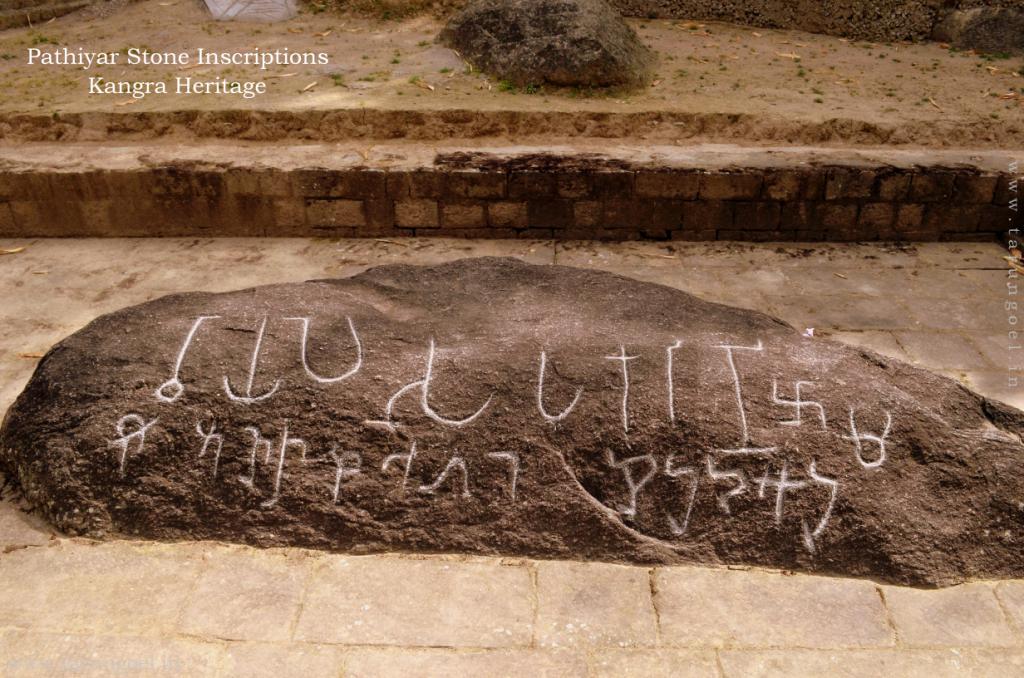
724,472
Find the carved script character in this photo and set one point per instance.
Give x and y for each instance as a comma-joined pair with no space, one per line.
455,463
407,459
130,428
286,442
810,536
424,388
624,359
799,404
745,447
513,460
673,471
209,437
632,483
859,439
347,464
305,363
171,390
552,418
249,398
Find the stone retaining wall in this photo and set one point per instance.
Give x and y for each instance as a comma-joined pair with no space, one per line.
599,202
875,20
880,20
17,13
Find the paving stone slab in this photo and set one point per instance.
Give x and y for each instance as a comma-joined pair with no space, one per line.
276,660
755,609
880,341
961,616
1002,385
408,602
583,604
957,313
1011,595
838,312
942,350
246,595
109,588
654,664
18,528
1003,351
803,663
26,653
439,663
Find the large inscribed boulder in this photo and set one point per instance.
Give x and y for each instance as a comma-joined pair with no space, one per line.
581,43
491,406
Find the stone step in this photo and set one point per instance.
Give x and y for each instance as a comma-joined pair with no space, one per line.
38,11
600,193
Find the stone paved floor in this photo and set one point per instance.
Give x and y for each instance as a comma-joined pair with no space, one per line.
127,608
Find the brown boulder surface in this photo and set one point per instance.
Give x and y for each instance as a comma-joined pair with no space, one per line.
581,43
492,406
983,28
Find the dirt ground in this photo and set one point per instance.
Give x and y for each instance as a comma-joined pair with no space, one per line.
762,80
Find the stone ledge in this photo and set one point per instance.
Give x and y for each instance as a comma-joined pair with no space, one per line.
653,193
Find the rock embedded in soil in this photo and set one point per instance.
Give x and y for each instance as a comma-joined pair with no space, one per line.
994,29
572,43
491,406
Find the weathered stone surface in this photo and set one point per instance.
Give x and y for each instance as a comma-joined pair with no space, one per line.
252,10
985,28
492,406
591,604
963,616
718,607
562,42
399,601
242,598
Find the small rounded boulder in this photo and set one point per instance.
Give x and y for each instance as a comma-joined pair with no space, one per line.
569,43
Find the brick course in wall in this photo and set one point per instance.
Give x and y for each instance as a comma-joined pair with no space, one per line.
647,203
